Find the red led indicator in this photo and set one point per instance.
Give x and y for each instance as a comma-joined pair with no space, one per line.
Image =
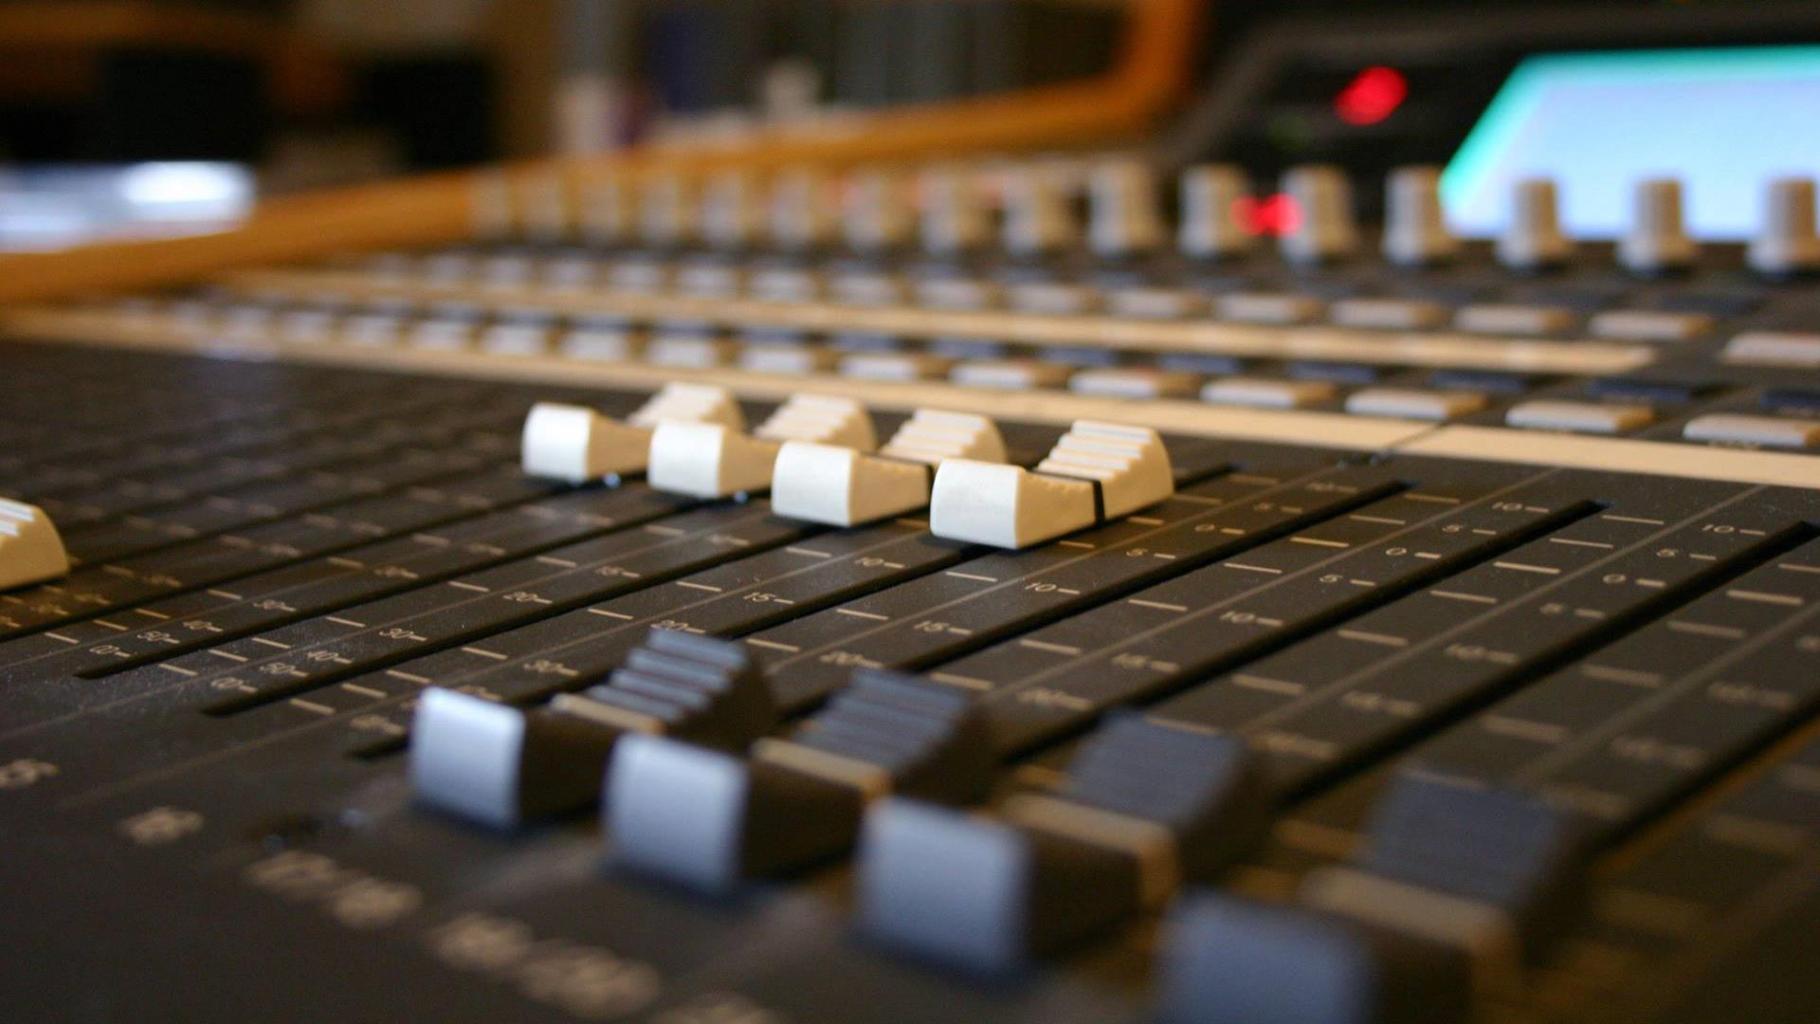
1373,95
1273,215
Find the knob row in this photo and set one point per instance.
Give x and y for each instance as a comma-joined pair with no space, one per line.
950,210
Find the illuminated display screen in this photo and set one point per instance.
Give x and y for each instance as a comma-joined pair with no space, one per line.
1723,121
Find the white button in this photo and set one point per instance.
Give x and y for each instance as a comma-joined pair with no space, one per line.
1583,417
1267,308
786,359
605,342
577,444
1387,314
1261,393
1132,383
1502,319
1767,431
867,289
709,280
570,272
638,275
1153,303
1051,299
894,366
688,350
1011,507
443,335
516,339
1129,463
1641,325
306,325
1774,348
372,329
821,483
1005,506
823,419
31,551
1009,374
956,293
931,435
1414,403
843,487
785,285
709,460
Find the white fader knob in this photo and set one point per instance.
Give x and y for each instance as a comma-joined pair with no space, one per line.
1533,240
1325,231
666,214
714,460
801,210
578,444
1038,220
729,211
877,213
1012,507
1657,240
843,486
1415,227
954,218
31,551
1122,215
1210,228
1786,242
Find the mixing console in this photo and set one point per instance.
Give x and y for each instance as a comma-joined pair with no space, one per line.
988,592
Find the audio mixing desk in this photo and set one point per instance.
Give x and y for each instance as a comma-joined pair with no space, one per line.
1011,592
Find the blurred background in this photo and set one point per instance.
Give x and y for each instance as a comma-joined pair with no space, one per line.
222,97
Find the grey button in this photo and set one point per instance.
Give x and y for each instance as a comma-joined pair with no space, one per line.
1767,431
1262,393
1581,417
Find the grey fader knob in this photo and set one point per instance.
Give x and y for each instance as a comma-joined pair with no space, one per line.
1657,239
1210,227
666,216
1532,239
606,212
1785,242
877,214
1122,209
490,207
954,216
1038,219
1415,228
802,211
1325,231
729,211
